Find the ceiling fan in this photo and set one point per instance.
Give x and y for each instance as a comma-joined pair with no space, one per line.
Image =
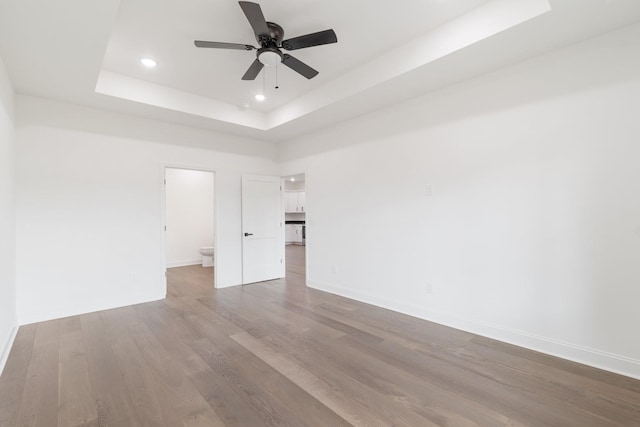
269,36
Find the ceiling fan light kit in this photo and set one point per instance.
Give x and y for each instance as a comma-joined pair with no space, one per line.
270,37
269,57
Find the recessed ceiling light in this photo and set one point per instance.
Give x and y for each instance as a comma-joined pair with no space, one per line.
148,62
293,179
260,97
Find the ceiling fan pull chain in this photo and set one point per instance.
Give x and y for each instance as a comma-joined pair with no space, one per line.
277,87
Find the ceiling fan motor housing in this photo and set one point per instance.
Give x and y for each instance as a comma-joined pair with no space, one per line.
275,36
269,54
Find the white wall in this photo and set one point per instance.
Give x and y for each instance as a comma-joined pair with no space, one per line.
7,218
89,204
514,197
189,215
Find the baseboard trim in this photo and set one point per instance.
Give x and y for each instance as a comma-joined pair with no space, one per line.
587,356
7,347
87,307
184,263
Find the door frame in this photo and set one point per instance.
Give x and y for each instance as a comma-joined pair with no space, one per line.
163,218
307,242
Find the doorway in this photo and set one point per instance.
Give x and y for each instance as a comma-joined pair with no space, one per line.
295,215
189,230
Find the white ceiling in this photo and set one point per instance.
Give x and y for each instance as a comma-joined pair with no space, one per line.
299,178
166,29
88,53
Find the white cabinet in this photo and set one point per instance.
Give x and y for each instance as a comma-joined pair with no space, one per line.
289,233
290,201
293,233
298,229
294,201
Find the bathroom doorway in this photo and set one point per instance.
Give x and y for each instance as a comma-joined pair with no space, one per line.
189,230
295,218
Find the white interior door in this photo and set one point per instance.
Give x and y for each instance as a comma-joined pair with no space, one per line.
262,241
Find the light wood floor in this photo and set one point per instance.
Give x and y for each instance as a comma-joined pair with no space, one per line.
277,353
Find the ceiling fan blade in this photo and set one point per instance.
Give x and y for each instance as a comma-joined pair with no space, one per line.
299,66
253,12
253,70
220,45
313,39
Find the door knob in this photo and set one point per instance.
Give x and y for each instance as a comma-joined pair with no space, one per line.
248,234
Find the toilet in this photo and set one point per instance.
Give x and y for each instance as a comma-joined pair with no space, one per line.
207,256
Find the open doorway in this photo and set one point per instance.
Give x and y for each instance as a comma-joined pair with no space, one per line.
295,213
189,231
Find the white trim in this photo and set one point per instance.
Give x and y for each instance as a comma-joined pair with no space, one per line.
184,263
163,218
307,242
588,356
7,347
283,229
163,229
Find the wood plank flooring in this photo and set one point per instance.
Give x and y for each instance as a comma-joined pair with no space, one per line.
280,354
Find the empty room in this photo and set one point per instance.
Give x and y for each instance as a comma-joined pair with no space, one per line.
319,213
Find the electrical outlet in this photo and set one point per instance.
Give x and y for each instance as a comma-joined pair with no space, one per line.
335,268
429,288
